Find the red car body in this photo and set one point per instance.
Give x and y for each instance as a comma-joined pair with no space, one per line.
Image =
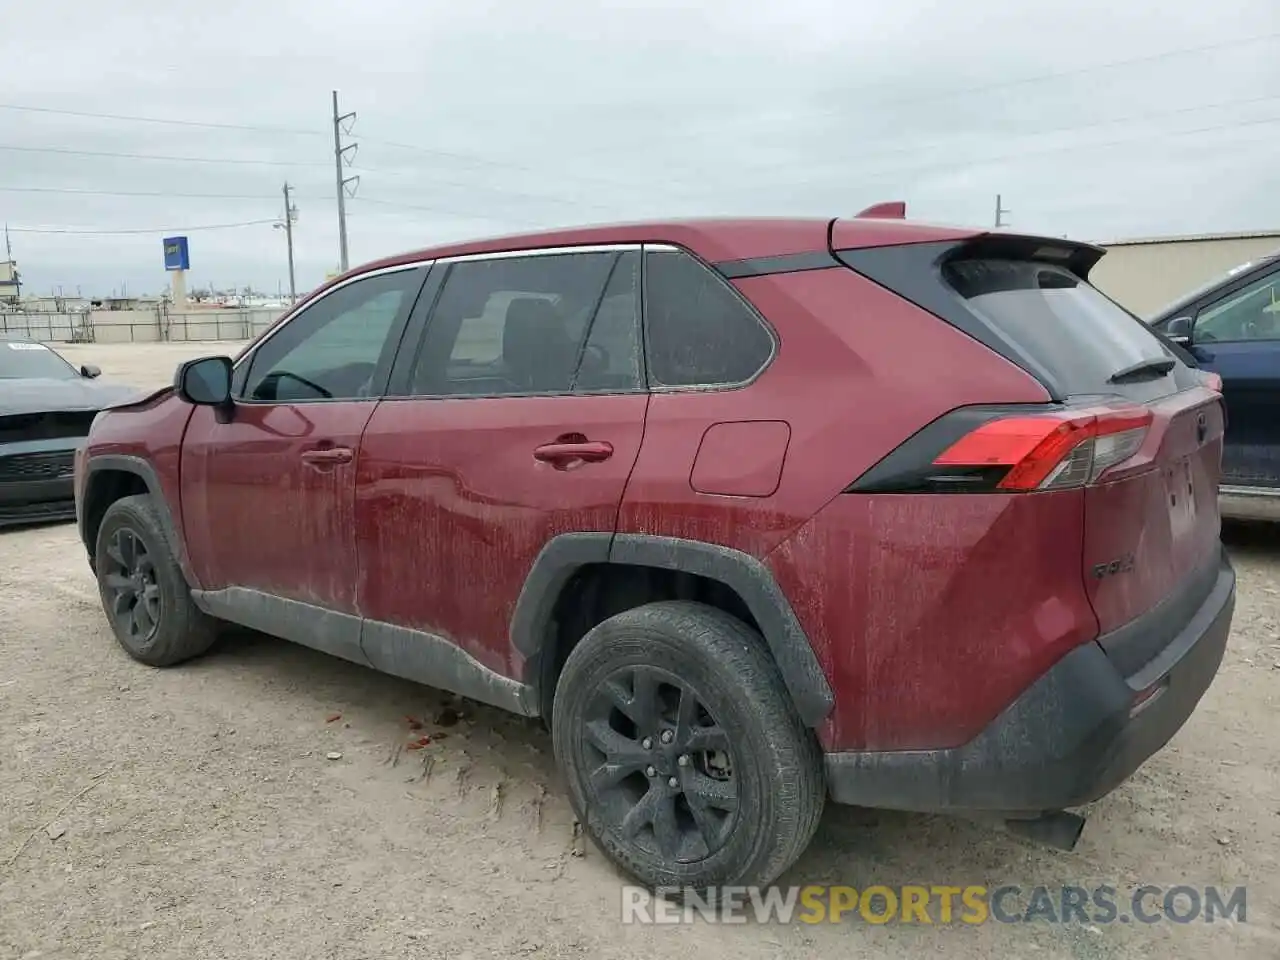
1013,649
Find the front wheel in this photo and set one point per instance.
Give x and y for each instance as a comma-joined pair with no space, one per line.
685,759
144,594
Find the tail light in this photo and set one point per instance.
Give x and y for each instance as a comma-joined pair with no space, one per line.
979,450
1211,380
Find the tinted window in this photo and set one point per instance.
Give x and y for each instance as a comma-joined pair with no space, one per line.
699,332
1252,313
511,325
1053,317
22,359
611,358
331,350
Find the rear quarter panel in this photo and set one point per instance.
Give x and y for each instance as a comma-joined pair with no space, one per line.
857,371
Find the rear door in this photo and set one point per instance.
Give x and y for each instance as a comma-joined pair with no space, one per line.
517,416
1237,336
1150,522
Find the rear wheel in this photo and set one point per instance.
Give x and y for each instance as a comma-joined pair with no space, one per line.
144,593
685,759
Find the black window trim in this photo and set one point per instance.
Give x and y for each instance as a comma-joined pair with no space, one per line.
400,384
386,358
718,277
1222,294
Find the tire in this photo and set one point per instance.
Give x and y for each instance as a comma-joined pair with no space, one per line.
774,774
170,628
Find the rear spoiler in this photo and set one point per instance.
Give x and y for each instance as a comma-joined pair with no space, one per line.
889,210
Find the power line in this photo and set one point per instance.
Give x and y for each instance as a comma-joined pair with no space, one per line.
446,211
66,151
477,160
169,121
961,163
75,191
1023,81
139,230
1043,131
137,193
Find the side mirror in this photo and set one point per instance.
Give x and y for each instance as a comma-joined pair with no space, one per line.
205,382
91,370
1179,330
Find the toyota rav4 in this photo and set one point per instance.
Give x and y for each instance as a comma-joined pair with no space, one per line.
752,513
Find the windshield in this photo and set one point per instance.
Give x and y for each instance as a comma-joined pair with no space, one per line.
22,360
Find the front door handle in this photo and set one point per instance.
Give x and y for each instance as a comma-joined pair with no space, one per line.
592,451
328,456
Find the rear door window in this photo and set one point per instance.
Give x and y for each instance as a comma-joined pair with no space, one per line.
515,326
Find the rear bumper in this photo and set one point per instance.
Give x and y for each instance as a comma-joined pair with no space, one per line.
1073,736
1249,503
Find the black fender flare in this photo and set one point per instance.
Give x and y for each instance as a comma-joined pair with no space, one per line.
141,468
564,555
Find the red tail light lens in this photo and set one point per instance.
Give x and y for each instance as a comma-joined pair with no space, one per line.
1050,451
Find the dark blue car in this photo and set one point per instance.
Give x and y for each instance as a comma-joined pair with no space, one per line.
1232,328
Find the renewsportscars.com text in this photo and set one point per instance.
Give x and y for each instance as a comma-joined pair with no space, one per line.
972,904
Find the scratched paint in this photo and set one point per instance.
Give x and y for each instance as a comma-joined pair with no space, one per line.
931,613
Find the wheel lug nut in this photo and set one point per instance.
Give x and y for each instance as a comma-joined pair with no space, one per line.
673,782
667,736
683,760
650,772
647,743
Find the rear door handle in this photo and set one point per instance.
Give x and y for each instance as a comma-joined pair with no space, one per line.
593,451
328,456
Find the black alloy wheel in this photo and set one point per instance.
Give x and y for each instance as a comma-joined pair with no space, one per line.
135,600
664,777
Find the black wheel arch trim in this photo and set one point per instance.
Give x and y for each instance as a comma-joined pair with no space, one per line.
564,555
141,468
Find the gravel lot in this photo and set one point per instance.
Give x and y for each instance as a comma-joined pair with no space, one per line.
194,812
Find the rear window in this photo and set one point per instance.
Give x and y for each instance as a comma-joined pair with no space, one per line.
1050,315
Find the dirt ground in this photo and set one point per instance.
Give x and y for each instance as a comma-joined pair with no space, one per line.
195,813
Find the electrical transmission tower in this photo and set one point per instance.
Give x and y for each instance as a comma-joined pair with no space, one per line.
342,123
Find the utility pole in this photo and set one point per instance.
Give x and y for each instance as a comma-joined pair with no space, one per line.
1000,211
340,154
290,217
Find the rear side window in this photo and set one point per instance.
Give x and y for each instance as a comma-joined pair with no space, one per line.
699,331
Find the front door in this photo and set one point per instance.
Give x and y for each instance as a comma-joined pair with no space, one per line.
520,417
1238,338
268,497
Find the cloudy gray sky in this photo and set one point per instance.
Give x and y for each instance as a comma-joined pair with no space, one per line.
1098,119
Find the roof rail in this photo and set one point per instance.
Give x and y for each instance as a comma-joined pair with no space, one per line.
890,210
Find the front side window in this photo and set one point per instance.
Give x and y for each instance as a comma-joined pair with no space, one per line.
699,332
331,351
512,325
1252,313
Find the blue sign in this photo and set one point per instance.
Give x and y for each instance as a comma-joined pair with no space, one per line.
176,254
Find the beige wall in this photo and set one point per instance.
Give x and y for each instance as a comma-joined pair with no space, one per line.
1148,276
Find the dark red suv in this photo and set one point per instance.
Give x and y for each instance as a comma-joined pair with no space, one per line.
751,512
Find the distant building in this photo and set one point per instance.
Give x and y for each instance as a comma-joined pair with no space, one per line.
10,282
1146,275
